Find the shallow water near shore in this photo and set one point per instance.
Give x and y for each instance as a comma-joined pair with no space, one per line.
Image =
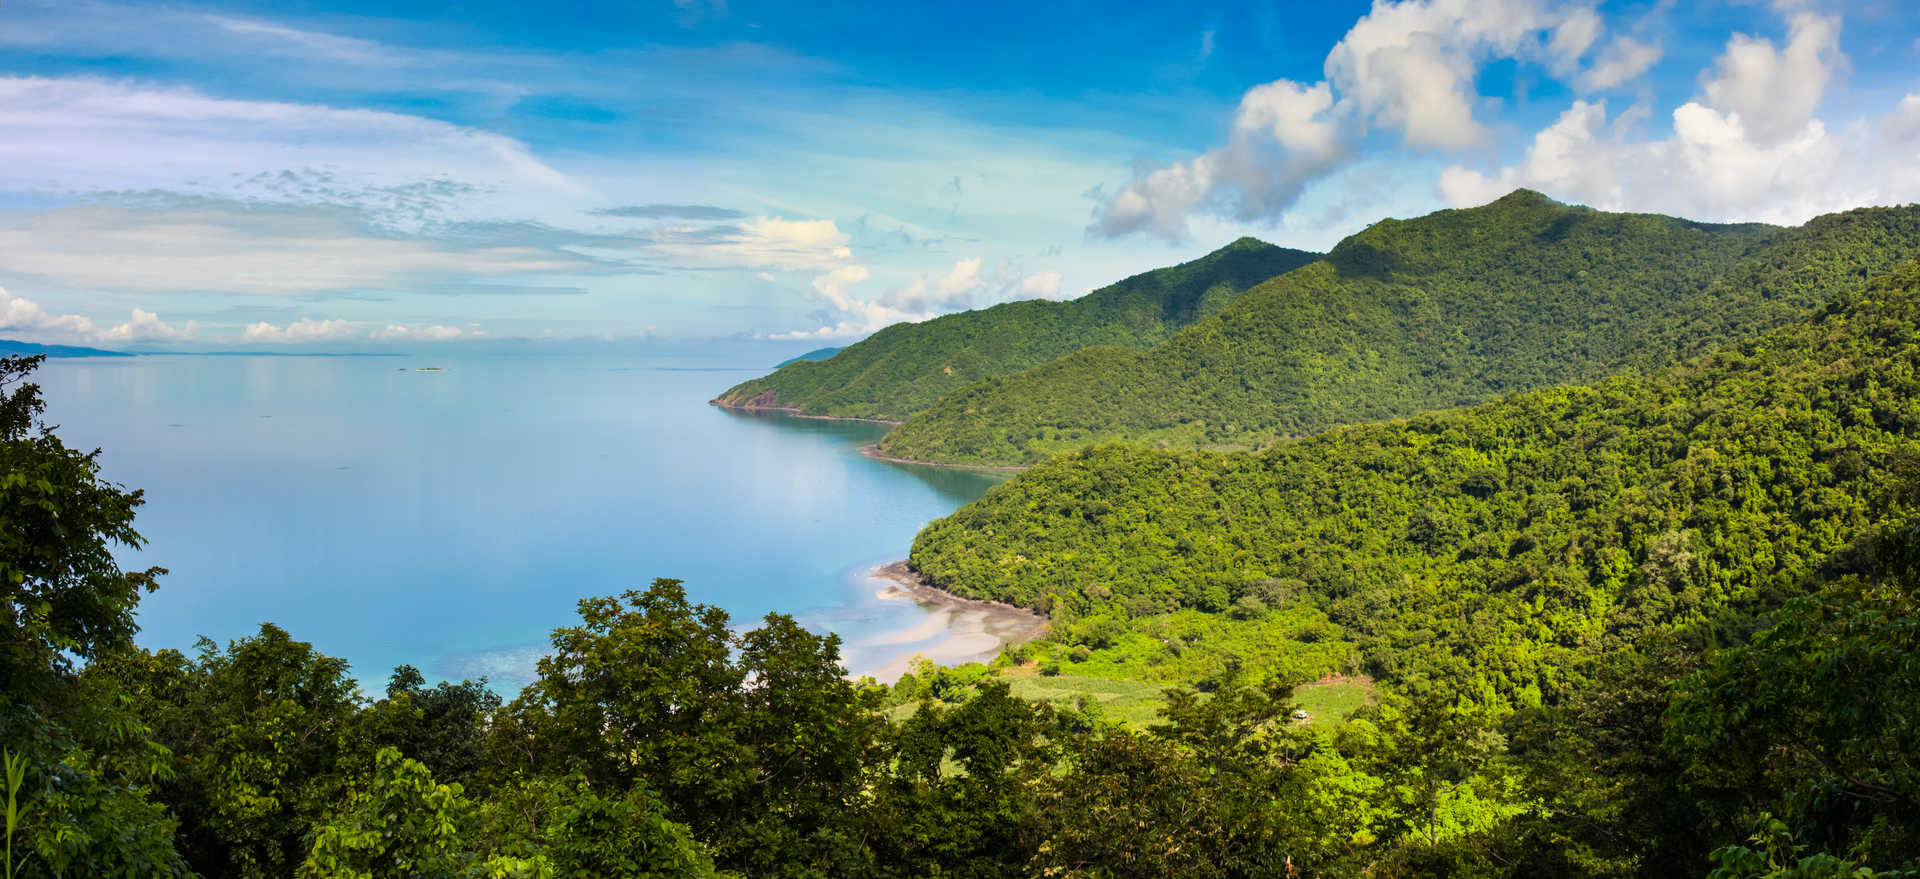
450,520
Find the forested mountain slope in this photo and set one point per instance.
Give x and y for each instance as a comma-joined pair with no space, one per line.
904,368
1445,310
1483,548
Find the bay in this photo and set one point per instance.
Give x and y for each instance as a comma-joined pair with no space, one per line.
450,519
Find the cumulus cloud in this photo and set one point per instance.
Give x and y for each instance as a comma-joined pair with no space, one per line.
1751,148
431,333
1284,134
1407,67
306,330
1775,91
1410,66
1711,167
1043,285
145,325
964,286
225,246
19,315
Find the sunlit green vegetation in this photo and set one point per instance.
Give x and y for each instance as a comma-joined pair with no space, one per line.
1445,310
905,368
1666,624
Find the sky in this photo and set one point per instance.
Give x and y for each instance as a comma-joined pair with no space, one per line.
349,175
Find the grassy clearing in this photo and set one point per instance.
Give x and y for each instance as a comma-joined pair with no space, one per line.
1134,703
1331,700
1137,703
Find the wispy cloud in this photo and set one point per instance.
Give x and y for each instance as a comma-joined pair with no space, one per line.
671,212
231,247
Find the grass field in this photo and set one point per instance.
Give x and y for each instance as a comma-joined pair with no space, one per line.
1134,703
1137,703
1333,699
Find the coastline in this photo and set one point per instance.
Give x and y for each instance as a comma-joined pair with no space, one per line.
872,450
969,629
794,412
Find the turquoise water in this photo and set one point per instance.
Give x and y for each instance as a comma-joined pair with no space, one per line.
450,520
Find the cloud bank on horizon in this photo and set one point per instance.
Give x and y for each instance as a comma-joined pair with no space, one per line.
364,176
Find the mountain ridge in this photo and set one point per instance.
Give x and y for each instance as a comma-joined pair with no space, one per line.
1433,312
904,368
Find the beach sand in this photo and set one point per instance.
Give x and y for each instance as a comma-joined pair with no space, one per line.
966,630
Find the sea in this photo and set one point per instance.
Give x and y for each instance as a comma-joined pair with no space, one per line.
450,513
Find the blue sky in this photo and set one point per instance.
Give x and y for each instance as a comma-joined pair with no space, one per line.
347,175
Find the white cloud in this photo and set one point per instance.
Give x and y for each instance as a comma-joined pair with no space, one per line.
1411,65
1622,61
20,315
1407,67
760,243
963,287
303,330
1903,124
961,281
202,244
1710,168
307,330
312,45
1045,285
1751,149
17,313
1283,135
145,325
64,133
433,333
1775,91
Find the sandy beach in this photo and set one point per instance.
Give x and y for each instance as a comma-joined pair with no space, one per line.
955,631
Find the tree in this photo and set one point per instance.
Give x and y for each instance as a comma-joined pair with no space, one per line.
402,823
260,735
757,741
444,727
86,766
62,594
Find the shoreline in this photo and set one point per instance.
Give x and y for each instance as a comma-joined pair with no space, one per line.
794,412
872,450
969,629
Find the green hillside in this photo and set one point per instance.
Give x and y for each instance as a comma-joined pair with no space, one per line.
1446,310
11,348
1490,545
903,369
815,354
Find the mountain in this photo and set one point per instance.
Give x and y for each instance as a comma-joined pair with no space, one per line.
9,347
1450,309
1488,547
815,354
905,368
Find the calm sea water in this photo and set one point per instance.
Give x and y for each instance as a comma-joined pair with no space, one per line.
451,520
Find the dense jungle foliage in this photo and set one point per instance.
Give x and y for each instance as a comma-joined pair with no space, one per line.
905,368
1446,310
1557,552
